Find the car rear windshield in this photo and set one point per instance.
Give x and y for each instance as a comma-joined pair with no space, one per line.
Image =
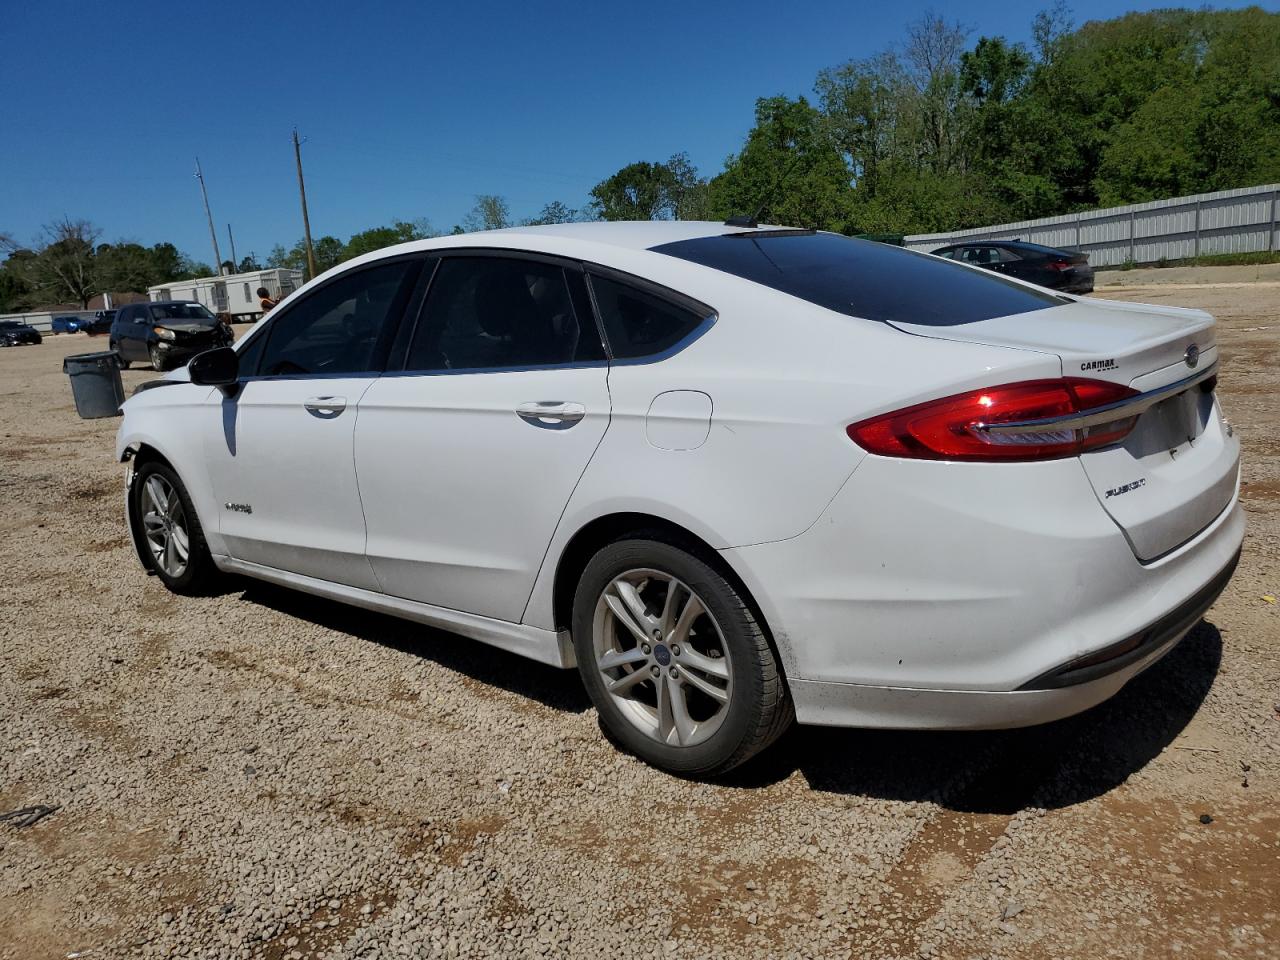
1023,246
181,311
863,278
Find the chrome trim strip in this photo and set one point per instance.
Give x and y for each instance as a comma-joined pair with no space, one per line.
1129,407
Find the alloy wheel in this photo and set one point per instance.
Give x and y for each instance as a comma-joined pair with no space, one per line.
164,523
662,657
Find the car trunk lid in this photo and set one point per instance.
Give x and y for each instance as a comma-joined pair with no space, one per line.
1177,469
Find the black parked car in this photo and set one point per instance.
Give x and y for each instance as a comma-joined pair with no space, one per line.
14,332
100,324
1065,270
166,334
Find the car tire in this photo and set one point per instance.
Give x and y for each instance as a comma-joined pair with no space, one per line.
163,518
725,698
157,359
115,348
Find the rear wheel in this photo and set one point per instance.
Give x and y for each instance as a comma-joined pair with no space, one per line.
675,660
115,348
168,532
157,359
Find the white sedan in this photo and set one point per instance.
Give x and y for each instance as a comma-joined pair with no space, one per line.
737,475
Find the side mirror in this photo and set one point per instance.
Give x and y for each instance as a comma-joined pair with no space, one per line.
219,367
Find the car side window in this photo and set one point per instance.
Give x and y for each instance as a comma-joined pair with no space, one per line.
639,323
338,328
493,313
1006,255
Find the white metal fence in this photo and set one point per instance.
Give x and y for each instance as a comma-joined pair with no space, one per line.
1229,221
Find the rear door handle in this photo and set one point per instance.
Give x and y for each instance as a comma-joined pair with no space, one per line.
326,408
551,414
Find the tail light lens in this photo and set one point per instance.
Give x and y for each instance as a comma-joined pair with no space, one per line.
1060,264
953,428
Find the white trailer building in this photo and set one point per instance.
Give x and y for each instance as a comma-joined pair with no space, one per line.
235,294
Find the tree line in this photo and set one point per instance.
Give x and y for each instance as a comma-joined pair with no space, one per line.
938,132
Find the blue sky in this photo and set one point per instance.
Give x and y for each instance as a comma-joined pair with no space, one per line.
410,109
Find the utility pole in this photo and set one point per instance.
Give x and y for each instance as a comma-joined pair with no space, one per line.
302,192
213,234
235,264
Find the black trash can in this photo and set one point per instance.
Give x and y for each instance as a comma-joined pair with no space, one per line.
95,383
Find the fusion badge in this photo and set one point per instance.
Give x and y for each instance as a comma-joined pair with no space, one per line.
1125,488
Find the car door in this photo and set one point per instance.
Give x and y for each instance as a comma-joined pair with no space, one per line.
125,332
1014,265
467,456
280,450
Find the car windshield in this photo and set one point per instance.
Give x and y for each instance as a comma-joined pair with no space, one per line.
10,325
863,278
182,311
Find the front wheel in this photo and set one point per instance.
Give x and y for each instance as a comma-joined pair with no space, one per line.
675,660
168,532
158,363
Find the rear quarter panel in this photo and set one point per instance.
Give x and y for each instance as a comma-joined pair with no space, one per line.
785,379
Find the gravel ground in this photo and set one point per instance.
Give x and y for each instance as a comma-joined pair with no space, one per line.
262,774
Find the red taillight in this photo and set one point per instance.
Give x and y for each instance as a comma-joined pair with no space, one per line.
953,428
1060,265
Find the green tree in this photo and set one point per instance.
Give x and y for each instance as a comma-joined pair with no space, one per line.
553,212
329,252
65,268
789,171
639,191
490,213
690,197
126,267
375,238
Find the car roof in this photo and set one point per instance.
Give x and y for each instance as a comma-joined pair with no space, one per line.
624,234
1016,244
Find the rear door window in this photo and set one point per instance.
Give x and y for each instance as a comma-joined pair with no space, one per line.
642,323
502,313
863,278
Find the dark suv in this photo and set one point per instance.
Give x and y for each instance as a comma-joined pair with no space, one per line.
166,334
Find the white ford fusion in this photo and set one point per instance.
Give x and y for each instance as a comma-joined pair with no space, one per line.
736,475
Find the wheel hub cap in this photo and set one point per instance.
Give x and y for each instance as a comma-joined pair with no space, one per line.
675,689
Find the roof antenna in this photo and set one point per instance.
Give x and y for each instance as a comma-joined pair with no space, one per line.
753,220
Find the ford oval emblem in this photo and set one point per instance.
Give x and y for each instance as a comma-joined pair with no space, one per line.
1192,356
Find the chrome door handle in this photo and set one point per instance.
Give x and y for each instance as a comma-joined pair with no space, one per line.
551,414
326,408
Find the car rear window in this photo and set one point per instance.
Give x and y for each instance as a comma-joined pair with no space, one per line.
863,278
1024,246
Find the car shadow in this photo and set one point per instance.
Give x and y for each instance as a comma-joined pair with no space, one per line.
1049,766
550,686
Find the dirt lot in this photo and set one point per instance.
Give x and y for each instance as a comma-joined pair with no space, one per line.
261,774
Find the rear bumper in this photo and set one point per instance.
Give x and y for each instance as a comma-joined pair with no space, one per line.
934,594
1061,694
